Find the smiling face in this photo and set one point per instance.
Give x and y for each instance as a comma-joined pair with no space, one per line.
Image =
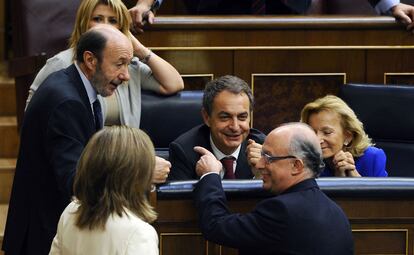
103,14
328,128
276,174
229,120
113,69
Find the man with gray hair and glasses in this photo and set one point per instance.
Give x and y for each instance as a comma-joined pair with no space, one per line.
300,219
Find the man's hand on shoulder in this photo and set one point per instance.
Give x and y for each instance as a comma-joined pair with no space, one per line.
207,163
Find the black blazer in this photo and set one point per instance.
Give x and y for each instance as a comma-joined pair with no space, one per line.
302,220
183,158
56,127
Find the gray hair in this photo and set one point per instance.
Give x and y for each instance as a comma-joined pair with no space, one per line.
302,147
229,83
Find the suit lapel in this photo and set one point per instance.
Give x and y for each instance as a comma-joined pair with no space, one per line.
77,81
242,169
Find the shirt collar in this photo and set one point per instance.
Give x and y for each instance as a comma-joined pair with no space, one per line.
219,155
92,95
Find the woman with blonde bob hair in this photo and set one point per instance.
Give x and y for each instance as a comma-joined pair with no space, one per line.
346,148
110,213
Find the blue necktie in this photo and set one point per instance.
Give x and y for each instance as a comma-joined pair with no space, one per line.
97,112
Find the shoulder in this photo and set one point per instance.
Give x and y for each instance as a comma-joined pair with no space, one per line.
257,135
139,233
372,163
61,60
194,136
372,153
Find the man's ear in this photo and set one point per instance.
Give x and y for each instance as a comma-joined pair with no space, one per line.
206,117
90,60
297,167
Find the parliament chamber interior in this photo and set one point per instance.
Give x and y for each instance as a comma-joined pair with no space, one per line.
288,61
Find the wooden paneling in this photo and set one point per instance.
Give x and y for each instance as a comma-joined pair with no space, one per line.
281,97
399,78
381,241
170,243
388,61
196,81
194,62
362,48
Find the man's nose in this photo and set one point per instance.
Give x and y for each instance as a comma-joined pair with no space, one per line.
124,75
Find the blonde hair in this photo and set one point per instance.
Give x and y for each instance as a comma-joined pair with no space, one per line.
349,121
114,172
84,13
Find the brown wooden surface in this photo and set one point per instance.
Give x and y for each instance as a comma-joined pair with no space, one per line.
361,48
399,78
379,226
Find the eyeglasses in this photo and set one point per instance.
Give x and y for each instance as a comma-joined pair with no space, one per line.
269,159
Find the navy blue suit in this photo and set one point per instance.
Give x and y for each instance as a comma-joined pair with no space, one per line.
56,127
183,158
301,220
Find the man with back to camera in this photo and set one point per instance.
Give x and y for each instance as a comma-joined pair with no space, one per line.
63,114
227,105
300,219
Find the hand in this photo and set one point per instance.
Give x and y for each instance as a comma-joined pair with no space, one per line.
140,14
140,50
253,152
207,163
161,171
405,14
344,164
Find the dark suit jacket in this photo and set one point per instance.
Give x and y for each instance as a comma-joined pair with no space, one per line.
183,158
302,220
56,127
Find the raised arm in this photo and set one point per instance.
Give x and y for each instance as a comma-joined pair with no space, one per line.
168,77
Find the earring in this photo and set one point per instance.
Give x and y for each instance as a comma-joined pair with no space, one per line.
346,143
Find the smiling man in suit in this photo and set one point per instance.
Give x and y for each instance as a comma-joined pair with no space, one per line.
63,114
227,106
300,219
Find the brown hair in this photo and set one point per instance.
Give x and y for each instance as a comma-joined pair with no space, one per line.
349,121
84,13
114,173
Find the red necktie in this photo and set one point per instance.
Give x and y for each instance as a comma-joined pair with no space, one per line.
259,7
228,167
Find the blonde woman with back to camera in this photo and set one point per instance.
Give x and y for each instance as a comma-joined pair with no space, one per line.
347,150
110,213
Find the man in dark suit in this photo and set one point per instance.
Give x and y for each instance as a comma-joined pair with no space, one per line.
227,105
62,116
301,219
